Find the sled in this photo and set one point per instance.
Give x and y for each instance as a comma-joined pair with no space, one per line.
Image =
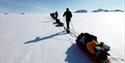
59,23
102,49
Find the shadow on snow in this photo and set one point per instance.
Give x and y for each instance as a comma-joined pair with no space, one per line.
44,38
74,55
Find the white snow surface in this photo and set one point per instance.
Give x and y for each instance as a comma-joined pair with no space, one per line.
33,38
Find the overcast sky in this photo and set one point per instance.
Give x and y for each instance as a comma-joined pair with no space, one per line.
44,6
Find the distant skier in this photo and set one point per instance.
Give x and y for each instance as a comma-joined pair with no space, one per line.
56,15
52,15
68,15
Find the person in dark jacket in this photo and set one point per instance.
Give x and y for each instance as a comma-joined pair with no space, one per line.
56,15
68,15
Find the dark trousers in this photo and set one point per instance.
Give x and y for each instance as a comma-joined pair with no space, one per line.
67,22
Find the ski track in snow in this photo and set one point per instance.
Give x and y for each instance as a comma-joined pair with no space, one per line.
49,44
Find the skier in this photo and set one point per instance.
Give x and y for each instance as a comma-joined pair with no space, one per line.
68,15
56,15
52,15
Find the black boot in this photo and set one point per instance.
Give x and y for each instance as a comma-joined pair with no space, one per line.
68,31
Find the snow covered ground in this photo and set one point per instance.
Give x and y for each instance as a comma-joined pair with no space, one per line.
33,38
